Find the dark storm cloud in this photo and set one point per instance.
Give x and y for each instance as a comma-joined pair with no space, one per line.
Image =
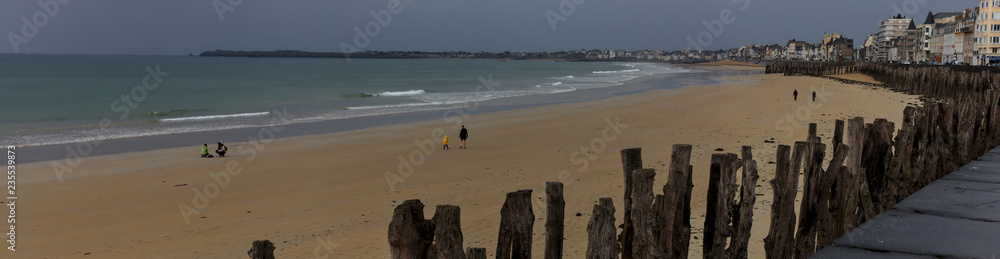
181,27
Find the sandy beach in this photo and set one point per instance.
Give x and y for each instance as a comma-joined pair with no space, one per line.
329,194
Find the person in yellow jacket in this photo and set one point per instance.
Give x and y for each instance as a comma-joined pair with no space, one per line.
445,142
204,151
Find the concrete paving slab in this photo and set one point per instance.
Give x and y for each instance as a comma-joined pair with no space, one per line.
957,199
921,234
837,252
976,172
990,157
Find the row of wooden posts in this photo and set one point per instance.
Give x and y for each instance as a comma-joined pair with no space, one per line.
869,171
811,68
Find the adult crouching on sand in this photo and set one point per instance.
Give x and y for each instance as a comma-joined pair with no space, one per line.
464,134
221,150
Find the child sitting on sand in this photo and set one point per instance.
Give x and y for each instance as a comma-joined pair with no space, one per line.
204,151
445,142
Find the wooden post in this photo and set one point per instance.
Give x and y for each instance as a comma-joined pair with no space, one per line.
447,233
662,224
812,133
556,209
743,219
261,249
877,155
516,221
718,216
846,215
601,243
410,235
643,241
780,240
805,238
631,161
677,232
825,221
838,134
475,253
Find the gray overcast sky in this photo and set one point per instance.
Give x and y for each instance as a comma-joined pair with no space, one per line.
179,27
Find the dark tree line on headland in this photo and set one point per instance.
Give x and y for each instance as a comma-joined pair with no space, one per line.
562,55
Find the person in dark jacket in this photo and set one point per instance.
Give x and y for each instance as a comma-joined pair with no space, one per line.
464,134
221,150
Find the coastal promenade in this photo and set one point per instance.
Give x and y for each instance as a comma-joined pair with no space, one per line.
957,216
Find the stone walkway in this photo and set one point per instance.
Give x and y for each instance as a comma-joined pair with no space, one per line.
956,216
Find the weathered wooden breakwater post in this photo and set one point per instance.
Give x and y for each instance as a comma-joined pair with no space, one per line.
410,235
675,232
516,221
643,241
718,216
743,213
555,211
601,242
261,249
780,240
447,233
631,161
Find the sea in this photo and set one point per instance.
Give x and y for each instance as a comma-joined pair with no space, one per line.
56,99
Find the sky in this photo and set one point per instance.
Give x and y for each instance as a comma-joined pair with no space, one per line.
180,27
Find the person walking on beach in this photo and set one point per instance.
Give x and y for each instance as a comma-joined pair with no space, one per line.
204,151
796,94
445,142
221,150
464,134
814,96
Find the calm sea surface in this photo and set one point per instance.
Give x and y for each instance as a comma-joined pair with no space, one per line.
51,99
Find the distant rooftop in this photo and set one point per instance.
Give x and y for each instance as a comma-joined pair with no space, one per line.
942,15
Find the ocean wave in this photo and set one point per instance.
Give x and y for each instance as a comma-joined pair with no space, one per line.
563,77
401,93
549,84
616,71
174,112
392,106
388,93
357,95
209,117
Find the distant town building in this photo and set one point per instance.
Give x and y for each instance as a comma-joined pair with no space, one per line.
965,37
799,50
889,33
988,32
836,47
869,48
925,30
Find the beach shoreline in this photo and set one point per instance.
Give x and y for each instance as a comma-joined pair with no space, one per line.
333,194
100,147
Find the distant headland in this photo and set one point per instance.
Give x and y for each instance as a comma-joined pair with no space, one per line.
572,55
